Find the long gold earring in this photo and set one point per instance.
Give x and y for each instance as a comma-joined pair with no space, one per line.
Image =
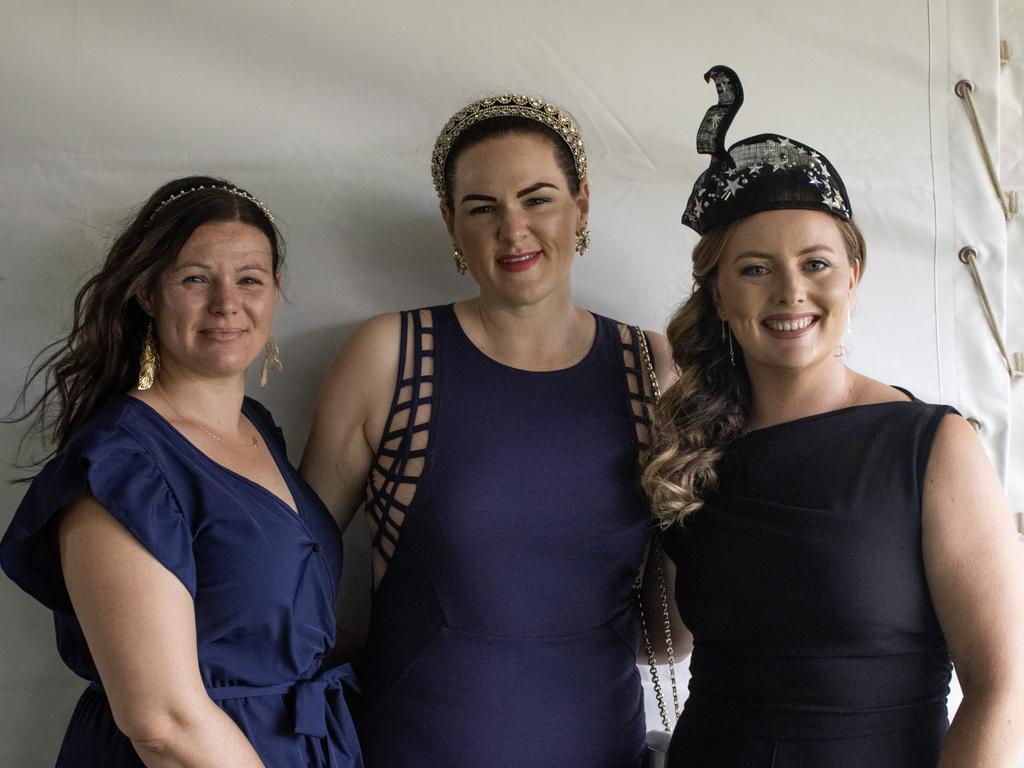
460,260
582,241
149,360
271,357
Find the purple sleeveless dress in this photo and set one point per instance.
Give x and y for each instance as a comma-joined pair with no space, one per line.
503,631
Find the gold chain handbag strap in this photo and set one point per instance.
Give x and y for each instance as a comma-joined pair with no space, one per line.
656,553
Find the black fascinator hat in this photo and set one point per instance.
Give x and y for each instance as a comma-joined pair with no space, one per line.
766,172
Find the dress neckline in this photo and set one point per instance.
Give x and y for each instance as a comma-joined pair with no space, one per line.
829,414
477,352
247,411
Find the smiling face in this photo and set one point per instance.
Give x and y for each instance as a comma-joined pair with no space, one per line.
514,218
784,284
213,306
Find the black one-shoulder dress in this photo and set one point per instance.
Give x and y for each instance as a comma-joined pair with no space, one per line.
802,580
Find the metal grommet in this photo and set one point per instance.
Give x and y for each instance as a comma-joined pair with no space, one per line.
968,254
963,88
976,423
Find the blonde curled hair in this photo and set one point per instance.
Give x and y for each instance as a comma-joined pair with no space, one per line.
709,404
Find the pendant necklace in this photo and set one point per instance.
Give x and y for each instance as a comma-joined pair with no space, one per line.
254,441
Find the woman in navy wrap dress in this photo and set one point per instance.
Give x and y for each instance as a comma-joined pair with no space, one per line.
495,443
191,571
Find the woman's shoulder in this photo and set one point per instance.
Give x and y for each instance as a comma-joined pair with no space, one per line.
873,392
659,350
124,432
122,422
113,458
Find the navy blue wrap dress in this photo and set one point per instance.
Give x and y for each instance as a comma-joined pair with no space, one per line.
262,578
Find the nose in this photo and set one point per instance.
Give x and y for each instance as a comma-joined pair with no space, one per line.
789,286
224,298
511,225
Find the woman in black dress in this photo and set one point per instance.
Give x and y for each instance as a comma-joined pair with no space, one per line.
836,540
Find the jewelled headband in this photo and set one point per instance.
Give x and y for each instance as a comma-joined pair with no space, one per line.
507,105
763,173
223,188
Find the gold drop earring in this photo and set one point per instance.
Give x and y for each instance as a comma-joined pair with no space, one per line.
271,357
149,360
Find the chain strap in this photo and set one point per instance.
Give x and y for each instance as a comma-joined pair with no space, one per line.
645,354
656,552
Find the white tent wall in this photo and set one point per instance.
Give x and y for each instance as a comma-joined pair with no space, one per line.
1011,162
328,111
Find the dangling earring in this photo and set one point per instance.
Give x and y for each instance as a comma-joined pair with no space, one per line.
582,241
460,261
149,360
725,330
842,350
271,357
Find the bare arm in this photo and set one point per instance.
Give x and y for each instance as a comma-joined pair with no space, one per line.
354,402
664,365
975,572
655,609
139,623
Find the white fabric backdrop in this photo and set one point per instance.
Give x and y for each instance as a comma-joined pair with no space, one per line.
328,111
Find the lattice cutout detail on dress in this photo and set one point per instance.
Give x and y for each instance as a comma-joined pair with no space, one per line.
641,396
400,459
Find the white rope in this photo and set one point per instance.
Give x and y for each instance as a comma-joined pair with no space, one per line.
964,89
969,256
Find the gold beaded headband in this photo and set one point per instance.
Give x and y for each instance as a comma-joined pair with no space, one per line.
223,188
507,105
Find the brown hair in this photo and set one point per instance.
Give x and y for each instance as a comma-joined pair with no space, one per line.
493,127
100,355
709,405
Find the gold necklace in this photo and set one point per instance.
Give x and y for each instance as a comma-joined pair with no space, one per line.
255,440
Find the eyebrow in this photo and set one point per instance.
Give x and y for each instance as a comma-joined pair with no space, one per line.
521,193
817,247
205,265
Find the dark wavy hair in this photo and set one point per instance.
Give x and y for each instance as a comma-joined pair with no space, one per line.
507,126
99,357
708,406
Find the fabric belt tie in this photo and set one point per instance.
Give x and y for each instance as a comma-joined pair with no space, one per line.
312,712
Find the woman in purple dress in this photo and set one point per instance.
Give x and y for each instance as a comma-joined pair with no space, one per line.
495,443
191,571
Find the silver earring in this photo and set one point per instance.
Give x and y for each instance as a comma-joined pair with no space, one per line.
460,261
842,350
726,330
582,241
